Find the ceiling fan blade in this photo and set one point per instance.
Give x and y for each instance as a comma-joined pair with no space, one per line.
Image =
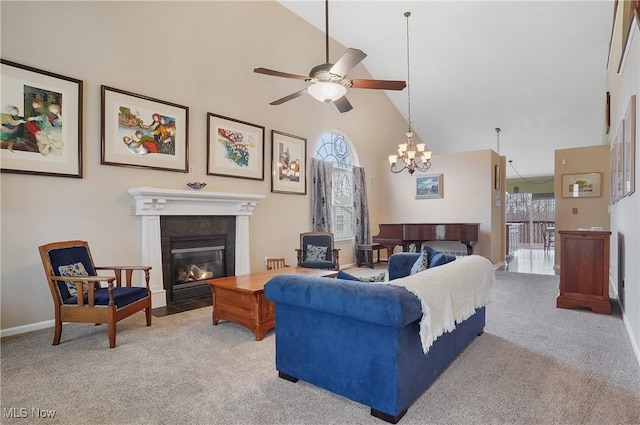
347,61
343,104
288,98
378,84
267,71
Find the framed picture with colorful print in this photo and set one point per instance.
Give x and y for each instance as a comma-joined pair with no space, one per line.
143,132
234,148
289,163
41,122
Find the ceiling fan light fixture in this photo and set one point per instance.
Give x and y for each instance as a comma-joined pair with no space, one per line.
326,91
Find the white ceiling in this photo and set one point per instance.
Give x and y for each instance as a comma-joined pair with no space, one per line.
535,69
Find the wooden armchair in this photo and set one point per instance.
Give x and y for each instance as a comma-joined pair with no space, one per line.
317,252
70,271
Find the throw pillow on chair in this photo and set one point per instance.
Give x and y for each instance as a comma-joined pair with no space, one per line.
316,253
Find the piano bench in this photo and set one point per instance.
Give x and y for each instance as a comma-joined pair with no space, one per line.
364,254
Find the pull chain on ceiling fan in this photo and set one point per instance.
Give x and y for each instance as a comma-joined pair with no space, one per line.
329,82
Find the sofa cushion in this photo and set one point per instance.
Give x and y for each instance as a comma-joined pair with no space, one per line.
316,253
421,264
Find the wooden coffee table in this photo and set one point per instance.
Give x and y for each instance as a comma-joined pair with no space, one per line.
240,299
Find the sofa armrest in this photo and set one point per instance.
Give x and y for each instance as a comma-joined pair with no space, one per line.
400,264
377,303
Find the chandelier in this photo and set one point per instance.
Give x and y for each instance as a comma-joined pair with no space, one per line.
411,156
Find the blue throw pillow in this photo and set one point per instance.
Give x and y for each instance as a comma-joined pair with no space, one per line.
421,264
346,276
438,258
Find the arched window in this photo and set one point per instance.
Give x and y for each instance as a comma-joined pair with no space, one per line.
336,148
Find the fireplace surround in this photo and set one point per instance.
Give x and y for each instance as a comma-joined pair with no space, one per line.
152,203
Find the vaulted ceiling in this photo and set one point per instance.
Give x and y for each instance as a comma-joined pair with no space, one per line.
535,69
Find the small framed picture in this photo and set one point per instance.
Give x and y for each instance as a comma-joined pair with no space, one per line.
139,131
581,185
41,122
429,187
234,148
289,163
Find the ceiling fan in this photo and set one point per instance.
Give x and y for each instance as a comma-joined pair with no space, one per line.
329,80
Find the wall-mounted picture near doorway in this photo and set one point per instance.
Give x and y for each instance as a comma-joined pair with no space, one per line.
429,187
585,185
41,122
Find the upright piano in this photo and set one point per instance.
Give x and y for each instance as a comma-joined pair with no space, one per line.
392,235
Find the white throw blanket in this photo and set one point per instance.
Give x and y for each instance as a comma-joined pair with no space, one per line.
449,294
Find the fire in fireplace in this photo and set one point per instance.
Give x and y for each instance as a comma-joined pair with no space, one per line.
193,260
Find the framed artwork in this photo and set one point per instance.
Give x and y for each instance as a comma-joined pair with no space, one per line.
429,187
607,113
41,122
289,163
139,131
234,148
496,177
629,148
619,158
585,185
613,173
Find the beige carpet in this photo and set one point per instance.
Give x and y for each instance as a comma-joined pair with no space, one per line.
535,364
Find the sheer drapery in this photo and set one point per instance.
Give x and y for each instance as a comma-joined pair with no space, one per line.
360,207
321,191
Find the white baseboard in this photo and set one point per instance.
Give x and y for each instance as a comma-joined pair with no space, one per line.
627,325
27,328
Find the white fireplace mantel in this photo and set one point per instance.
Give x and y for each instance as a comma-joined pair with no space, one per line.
152,202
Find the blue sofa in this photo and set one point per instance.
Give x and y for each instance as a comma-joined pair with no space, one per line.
361,340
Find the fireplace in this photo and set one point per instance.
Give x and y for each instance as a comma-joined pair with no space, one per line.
194,249
196,209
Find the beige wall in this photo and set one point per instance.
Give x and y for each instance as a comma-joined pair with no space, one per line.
202,55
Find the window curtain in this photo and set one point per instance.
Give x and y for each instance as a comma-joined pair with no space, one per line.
360,207
321,191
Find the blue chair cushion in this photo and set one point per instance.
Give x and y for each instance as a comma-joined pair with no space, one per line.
319,264
122,297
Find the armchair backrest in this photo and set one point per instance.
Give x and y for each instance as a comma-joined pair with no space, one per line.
317,239
57,257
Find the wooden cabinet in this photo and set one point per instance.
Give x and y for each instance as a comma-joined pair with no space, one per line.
584,270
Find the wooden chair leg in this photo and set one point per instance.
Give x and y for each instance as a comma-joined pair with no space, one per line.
57,333
112,334
148,313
